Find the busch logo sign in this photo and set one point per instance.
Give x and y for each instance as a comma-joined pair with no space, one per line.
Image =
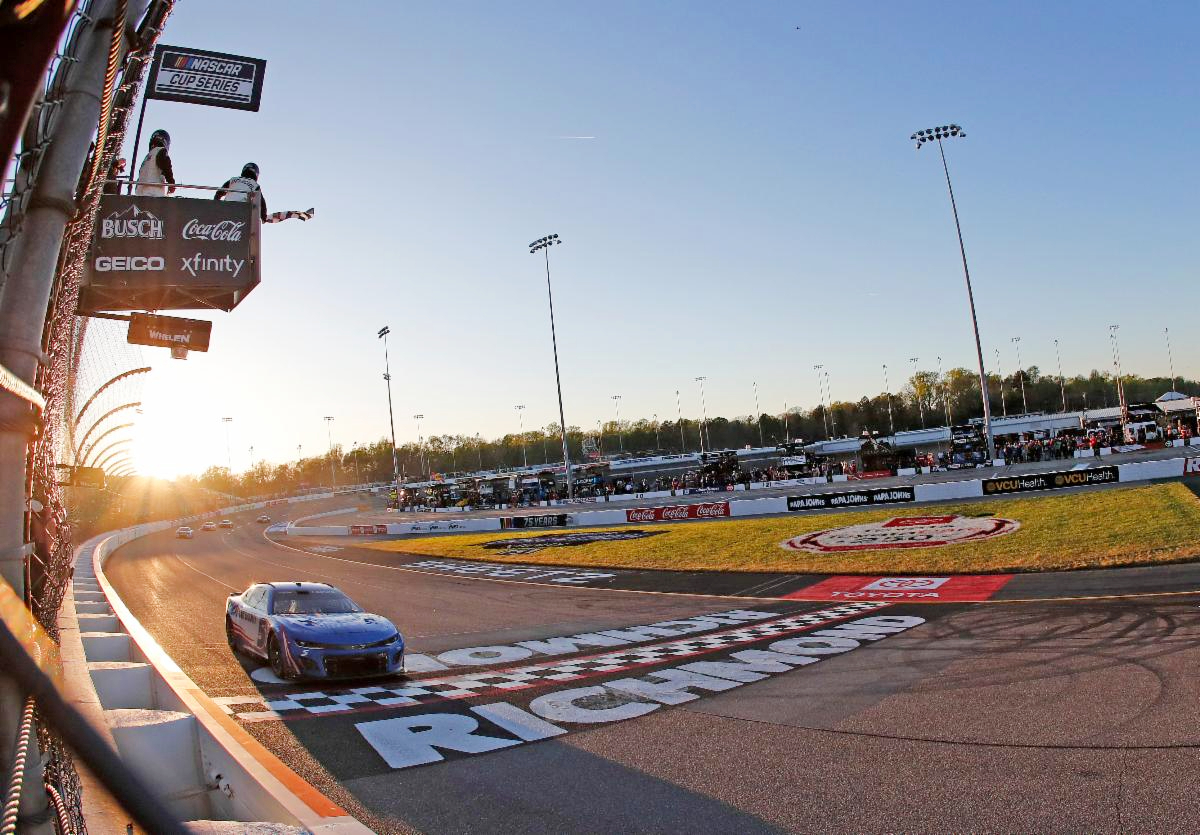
225,230
704,510
131,223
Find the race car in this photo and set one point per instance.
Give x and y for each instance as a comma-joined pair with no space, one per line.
225,523
263,519
209,526
312,630
184,532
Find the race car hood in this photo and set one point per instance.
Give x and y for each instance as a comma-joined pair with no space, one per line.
349,628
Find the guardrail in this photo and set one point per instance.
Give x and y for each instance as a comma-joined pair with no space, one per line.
182,743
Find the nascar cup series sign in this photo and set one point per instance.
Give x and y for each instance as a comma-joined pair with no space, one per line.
197,76
903,532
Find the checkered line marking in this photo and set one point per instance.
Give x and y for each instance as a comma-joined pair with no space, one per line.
497,682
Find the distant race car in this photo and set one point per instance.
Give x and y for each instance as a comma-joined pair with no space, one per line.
264,518
225,523
312,630
209,526
184,532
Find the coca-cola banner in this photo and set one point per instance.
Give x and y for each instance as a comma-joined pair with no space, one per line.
171,253
704,510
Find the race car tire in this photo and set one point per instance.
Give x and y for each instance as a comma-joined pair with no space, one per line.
230,638
275,657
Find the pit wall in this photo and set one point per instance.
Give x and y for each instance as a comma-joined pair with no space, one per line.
937,492
186,748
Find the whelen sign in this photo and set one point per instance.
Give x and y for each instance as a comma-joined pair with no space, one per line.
197,76
168,332
171,253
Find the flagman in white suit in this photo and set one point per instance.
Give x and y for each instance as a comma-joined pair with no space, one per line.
156,178
240,188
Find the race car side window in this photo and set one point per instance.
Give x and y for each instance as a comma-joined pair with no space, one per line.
253,599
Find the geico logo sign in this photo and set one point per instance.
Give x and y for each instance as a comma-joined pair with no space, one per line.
140,225
129,263
225,230
198,263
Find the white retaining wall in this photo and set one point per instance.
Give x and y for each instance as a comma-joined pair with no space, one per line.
201,762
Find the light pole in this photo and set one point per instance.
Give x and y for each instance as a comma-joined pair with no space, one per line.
228,455
1112,334
821,395
387,376
329,435
544,245
938,134
758,415
703,414
888,391
1062,386
829,395
1000,372
421,445
357,474
679,414
616,399
917,389
1170,357
1021,371
657,440
524,453
945,391
479,451
787,430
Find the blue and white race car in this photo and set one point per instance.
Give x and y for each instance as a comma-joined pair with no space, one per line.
312,630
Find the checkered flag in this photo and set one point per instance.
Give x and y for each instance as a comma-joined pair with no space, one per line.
278,217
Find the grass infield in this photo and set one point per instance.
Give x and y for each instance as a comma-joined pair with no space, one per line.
1133,526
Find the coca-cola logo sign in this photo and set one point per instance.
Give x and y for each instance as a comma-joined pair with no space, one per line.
673,513
225,230
903,532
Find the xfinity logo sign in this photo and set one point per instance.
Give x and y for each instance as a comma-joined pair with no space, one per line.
228,264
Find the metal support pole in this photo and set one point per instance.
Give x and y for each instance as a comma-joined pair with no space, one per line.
329,435
387,375
888,390
679,417
758,415
1062,386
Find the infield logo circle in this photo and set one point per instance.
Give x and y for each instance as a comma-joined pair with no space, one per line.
903,532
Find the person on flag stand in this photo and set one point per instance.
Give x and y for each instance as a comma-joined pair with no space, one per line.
239,189
156,177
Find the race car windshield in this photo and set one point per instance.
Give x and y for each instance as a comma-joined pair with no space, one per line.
312,603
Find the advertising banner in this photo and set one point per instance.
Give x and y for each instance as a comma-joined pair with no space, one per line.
852,498
1050,481
705,510
549,520
368,530
197,76
1191,467
171,253
168,332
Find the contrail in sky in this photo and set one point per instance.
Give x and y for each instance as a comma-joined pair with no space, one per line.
574,137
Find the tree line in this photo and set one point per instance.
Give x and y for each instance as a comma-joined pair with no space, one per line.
926,399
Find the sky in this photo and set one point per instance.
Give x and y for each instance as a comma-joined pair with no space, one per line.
736,194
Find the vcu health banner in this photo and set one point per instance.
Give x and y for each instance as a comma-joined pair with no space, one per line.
1051,481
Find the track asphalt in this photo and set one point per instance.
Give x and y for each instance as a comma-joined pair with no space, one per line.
557,703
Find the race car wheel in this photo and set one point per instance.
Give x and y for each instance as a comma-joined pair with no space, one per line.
275,656
230,638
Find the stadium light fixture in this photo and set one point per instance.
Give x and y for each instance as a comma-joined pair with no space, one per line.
543,245
937,134
387,376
